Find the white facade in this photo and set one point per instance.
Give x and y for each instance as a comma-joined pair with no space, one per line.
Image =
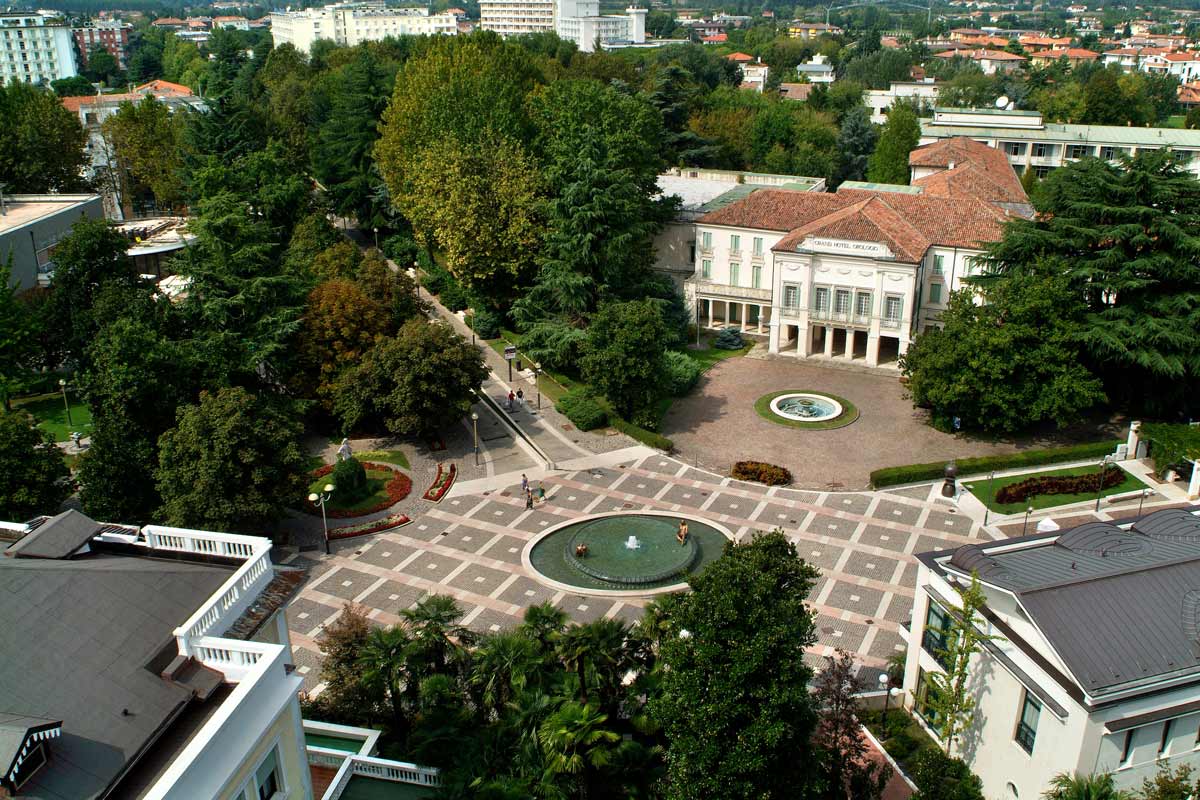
1041,146
516,17
818,70
578,21
1032,721
1184,66
35,49
353,23
880,100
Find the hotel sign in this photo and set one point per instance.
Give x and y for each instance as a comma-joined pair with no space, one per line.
846,247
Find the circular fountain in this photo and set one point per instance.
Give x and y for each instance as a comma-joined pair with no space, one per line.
805,407
628,553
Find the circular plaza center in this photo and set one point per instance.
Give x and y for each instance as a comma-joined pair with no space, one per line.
806,407
628,553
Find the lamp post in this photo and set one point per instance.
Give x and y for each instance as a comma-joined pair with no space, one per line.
376,238
1141,500
1100,480
537,375
319,500
1028,511
62,384
991,496
884,682
475,431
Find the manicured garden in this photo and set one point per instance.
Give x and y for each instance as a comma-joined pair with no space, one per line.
372,488
986,491
981,465
51,415
762,406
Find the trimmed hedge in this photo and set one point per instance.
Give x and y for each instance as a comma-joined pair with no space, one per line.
648,438
350,479
760,472
583,410
681,372
915,473
1058,484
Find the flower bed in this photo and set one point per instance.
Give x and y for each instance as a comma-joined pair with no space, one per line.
374,526
759,472
395,490
1061,484
441,483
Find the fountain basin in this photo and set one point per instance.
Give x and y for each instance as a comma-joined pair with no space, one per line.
659,563
804,407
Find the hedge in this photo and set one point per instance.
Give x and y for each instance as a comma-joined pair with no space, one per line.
760,472
649,438
915,473
1058,484
583,411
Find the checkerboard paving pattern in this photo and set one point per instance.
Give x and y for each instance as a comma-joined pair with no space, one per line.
470,547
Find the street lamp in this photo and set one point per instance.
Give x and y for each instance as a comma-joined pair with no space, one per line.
319,500
1100,480
991,496
1028,511
475,430
63,385
416,276
537,374
884,682
376,238
1141,500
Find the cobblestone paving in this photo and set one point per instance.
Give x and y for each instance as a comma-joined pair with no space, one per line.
470,547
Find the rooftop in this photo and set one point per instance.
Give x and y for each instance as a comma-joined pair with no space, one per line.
969,168
24,209
1059,132
703,190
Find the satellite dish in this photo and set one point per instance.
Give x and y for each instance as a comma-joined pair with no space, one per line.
1002,102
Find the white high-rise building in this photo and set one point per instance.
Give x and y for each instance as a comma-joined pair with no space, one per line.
579,21
354,23
35,48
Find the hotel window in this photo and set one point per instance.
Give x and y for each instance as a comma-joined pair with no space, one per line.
891,310
791,295
706,269
706,240
933,638
735,243
756,276
1127,749
1113,153
1079,150
1027,724
735,274
266,777
935,293
1184,156
1164,741
841,302
1043,150
1041,172
1014,148
926,690
862,305
821,299
939,265
758,251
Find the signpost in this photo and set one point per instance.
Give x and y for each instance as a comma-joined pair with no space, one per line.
510,352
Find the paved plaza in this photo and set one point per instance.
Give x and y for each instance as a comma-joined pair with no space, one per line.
469,546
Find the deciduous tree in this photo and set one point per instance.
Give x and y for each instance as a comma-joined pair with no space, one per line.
35,475
900,134
340,325
41,143
622,357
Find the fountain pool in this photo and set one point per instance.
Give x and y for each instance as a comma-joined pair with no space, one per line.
805,407
627,552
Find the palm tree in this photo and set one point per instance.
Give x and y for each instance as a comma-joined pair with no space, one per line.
573,740
575,650
610,657
383,660
543,623
503,665
436,632
1084,787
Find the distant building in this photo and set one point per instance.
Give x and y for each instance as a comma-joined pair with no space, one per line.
1184,66
990,61
352,23
754,72
170,23
35,48
578,21
818,70
112,35
237,23
922,93
1073,55
796,91
799,29
516,17
31,226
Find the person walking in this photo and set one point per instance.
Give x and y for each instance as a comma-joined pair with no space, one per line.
529,498
521,398
541,493
524,483
511,397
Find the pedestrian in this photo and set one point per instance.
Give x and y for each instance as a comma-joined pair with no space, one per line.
511,396
541,493
529,498
521,398
524,483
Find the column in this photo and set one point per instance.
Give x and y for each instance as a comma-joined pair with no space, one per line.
850,335
773,341
829,341
903,346
872,349
727,305
804,336
743,308
1194,483
761,311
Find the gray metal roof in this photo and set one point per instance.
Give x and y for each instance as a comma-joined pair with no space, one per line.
57,537
1072,134
82,641
1118,606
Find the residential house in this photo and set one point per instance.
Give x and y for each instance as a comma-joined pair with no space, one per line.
1073,56
922,93
237,23
1184,66
799,29
990,61
817,70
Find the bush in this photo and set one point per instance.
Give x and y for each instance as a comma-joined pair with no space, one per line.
402,249
582,409
436,279
646,418
648,438
729,339
1058,484
759,472
349,478
486,324
912,473
681,372
453,296
940,777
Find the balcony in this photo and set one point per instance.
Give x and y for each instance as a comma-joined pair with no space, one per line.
892,323
734,292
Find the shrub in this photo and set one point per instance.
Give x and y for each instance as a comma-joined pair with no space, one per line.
1058,484
648,438
729,339
349,478
940,777
912,473
759,472
646,418
486,324
582,409
435,279
453,296
402,249
681,372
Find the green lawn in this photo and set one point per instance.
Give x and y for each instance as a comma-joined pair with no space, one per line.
709,355
1175,121
984,490
377,480
48,410
384,457
762,406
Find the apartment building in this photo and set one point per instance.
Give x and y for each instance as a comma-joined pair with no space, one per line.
578,21
1041,146
516,17
920,93
35,48
31,226
112,35
1093,665
353,23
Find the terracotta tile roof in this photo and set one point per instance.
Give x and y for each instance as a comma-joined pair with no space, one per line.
908,224
796,91
968,168
1189,94
161,87
169,21
1181,56
1069,53
716,38
739,57
982,55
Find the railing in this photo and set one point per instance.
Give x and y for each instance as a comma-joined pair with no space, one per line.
326,756
235,595
233,658
890,322
380,769
724,290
